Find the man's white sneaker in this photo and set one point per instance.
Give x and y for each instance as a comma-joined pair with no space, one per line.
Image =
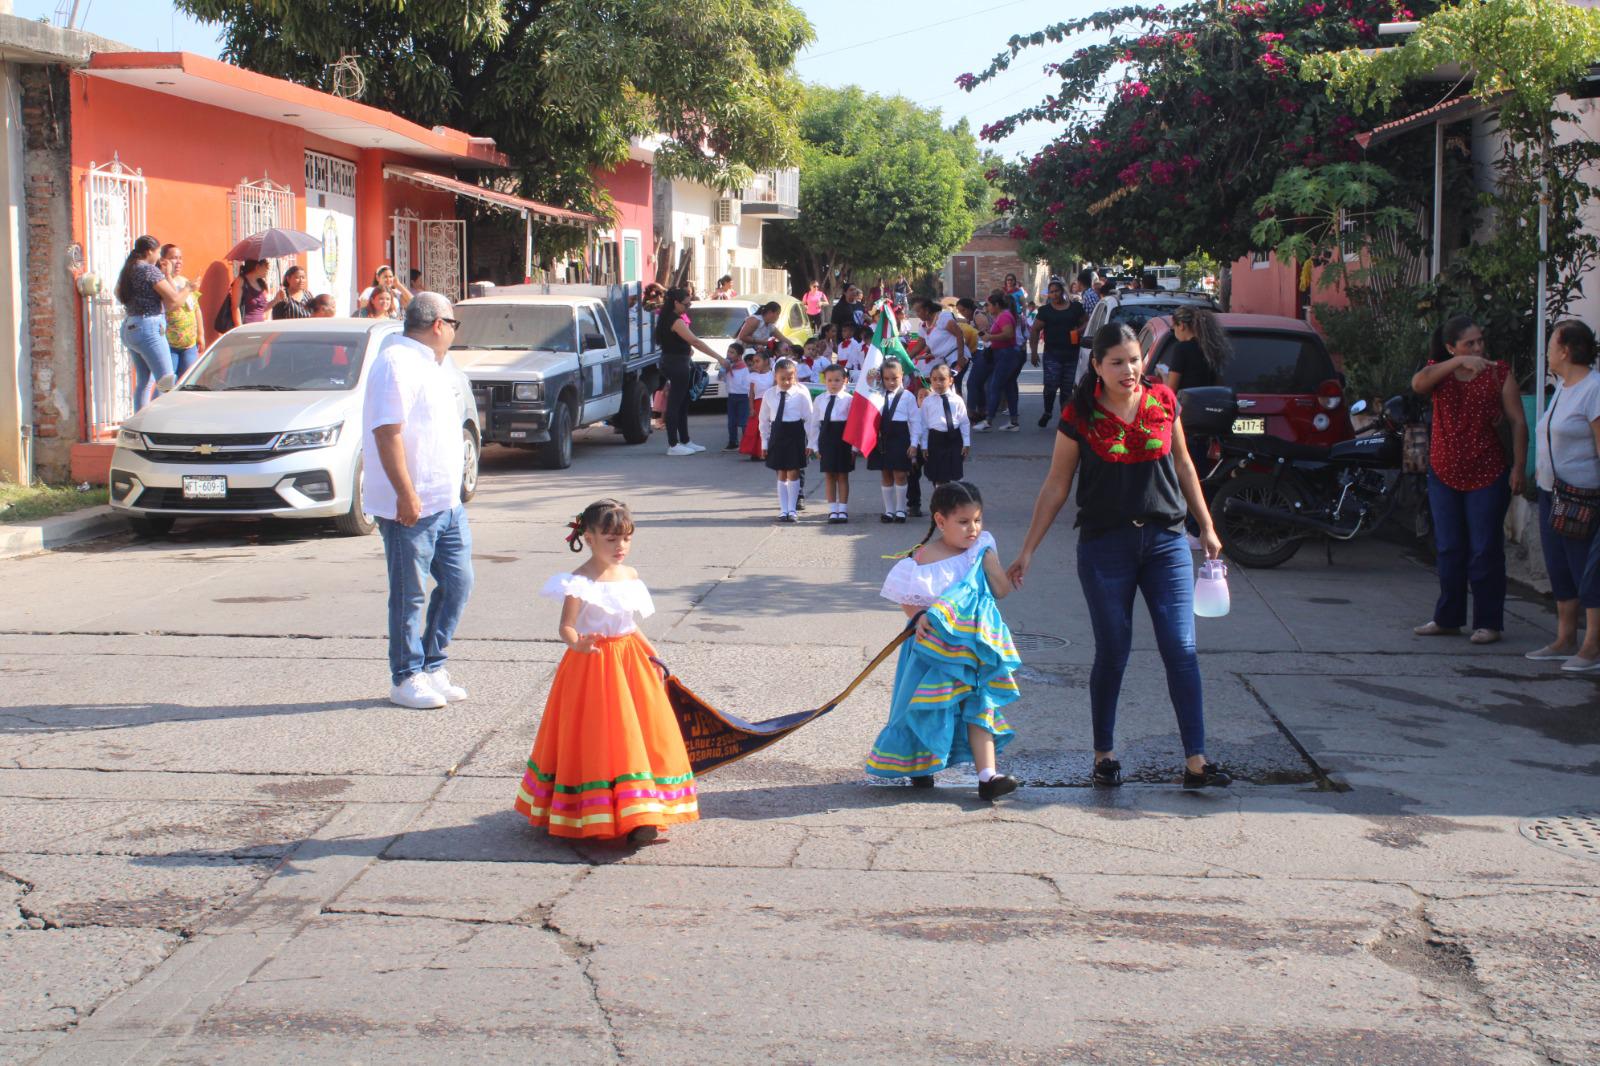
693,446
680,449
416,693
440,682
981,427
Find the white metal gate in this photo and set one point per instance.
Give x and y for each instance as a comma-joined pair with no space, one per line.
115,197
259,205
435,246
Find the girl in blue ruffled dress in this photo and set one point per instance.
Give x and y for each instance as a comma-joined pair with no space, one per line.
955,673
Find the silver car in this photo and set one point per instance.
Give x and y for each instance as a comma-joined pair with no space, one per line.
267,423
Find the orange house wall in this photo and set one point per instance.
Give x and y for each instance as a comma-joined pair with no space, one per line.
1272,290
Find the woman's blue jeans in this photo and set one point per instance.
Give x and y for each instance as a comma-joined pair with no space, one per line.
146,337
1470,541
1003,381
978,382
1155,562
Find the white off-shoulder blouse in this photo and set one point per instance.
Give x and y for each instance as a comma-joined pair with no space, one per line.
608,606
918,584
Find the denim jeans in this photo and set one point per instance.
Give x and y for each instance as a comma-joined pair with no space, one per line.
978,383
1003,381
738,415
439,545
184,358
1155,562
1567,560
145,336
1470,541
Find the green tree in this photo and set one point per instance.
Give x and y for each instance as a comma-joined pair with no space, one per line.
561,85
884,187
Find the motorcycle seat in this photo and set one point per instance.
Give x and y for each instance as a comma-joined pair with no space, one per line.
1283,449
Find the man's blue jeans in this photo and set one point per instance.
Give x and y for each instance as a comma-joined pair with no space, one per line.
145,337
1003,382
1470,541
439,545
1156,562
738,415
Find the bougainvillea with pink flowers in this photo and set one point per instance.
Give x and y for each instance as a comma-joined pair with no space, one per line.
1173,127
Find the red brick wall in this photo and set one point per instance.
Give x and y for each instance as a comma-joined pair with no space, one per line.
53,305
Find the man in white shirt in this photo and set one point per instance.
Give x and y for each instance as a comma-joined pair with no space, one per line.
411,453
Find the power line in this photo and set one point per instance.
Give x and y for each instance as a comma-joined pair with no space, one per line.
919,29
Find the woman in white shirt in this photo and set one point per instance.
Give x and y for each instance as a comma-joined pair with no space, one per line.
946,430
1567,470
785,425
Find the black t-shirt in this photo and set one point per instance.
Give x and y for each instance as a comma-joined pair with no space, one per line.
1057,326
848,314
1126,472
1189,362
676,353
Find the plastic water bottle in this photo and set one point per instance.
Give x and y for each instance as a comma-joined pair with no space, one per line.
1211,589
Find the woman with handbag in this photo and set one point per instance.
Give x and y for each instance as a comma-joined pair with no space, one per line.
1567,470
1469,483
677,341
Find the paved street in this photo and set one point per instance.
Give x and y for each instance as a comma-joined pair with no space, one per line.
219,843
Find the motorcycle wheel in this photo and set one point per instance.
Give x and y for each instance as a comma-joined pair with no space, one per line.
1251,541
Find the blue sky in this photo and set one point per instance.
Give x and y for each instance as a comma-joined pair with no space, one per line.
871,45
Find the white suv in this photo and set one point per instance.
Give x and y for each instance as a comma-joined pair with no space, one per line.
268,423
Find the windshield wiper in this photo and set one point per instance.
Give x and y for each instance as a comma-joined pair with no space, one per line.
195,388
260,388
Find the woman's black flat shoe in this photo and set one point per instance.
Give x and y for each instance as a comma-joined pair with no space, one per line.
1107,773
997,786
1212,776
925,781
644,834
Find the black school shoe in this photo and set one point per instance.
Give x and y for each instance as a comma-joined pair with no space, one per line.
914,511
925,781
1213,776
886,518
997,786
1107,773
900,516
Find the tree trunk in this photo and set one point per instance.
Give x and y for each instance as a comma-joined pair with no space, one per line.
1225,286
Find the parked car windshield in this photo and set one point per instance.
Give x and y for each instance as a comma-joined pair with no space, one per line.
708,320
1136,315
516,327
1277,363
249,361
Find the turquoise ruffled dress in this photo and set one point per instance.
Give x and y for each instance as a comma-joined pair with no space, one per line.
958,675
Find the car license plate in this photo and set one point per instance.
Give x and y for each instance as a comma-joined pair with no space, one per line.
1250,427
204,488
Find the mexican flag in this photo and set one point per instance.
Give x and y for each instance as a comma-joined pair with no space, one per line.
861,428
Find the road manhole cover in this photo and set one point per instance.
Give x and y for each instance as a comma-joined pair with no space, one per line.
1575,833
1037,641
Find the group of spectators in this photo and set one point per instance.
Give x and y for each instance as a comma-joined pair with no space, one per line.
163,326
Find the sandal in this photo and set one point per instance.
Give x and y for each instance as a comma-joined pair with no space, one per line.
1434,629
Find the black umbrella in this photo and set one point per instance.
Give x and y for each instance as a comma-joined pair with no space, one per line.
273,243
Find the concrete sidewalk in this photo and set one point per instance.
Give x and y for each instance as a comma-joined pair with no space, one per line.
220,844
58,531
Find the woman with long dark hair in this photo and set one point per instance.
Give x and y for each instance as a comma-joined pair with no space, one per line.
677,340
1006,359
1122,435
147,295
248,300
1469,485
1202,351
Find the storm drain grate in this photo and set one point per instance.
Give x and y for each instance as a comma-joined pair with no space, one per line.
1575,833
1037,642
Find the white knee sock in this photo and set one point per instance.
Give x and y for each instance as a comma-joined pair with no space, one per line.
899,498
783,497
791,496
888,499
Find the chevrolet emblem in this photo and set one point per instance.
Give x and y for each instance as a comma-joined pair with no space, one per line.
204,449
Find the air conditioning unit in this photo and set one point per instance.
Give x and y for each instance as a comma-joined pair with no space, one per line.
728,212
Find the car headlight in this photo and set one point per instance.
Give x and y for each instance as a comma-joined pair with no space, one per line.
310,438
528,391
128,438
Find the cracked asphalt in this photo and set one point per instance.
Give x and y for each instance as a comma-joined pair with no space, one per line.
220,844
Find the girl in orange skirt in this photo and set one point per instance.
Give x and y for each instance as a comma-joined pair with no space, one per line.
609,759
761,378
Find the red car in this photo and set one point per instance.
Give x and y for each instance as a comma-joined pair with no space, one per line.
1281,371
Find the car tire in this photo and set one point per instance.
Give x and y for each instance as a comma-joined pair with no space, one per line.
151,526
356,522
471,455
556,453
1251,542
633,421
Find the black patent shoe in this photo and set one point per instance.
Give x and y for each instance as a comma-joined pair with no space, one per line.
925,781
886,518
1107,773
644,834
997,786
1212,776
900,517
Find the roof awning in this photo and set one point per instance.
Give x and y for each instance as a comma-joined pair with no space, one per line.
501,200
1461,107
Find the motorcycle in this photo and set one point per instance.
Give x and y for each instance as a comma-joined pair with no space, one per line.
1269,495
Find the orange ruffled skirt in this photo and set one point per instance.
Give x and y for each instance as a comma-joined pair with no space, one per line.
609,756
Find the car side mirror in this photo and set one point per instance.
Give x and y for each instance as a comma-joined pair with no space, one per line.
1358,407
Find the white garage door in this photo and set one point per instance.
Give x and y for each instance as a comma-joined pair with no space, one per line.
331,218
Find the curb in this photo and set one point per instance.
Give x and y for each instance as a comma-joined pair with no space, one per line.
59,531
